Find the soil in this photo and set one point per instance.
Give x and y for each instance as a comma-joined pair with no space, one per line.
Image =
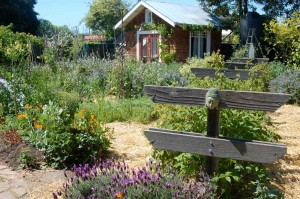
129,142
9,154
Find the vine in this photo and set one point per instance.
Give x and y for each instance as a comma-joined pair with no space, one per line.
197,27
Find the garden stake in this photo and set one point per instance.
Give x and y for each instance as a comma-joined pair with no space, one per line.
212,100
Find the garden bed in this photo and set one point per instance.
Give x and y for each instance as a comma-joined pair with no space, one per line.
9,154
128,141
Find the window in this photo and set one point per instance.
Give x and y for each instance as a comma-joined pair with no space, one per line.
198,44
148,17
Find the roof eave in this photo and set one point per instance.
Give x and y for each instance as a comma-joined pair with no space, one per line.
145,5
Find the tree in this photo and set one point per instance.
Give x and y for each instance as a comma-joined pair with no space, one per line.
235,10
104,14
46,28
283,39
20,13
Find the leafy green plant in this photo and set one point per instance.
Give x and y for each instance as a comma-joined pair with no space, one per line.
64,141
26,161
283,38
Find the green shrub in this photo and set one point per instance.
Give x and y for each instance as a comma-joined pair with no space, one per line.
15,48
63,139
68,100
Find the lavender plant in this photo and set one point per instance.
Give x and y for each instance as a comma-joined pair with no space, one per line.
288,82
114,179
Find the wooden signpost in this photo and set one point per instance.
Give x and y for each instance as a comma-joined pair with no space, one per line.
212,145
229,73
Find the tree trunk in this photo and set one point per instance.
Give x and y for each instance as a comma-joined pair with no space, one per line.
245,7
240,8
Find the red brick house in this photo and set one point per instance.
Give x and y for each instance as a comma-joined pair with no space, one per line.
160,31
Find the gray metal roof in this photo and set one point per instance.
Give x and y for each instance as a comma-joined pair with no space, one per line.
185,14
174,14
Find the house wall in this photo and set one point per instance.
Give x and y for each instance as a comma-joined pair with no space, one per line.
181,44
131,31
178,43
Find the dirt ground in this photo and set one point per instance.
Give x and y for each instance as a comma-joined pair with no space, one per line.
129,142
287,170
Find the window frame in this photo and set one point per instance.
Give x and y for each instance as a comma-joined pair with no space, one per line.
199,36
148,14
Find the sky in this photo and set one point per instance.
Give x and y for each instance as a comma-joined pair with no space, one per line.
71,12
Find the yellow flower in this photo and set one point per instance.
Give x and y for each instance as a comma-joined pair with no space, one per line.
120,195
33,119
92,116
20,116
38,126
81,111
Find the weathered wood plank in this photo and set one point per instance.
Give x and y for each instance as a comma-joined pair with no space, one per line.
203,134
238,65
255,61
229,73
216,147
229,99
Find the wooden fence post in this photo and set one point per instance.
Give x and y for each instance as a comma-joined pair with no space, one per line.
212,99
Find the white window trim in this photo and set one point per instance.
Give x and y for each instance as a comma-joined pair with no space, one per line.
147,12
208,42
145,32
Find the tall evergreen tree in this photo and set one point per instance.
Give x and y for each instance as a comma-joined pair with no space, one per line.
20,13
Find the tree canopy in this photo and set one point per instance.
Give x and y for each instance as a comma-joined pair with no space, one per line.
238,9
104,14
20,13
46,28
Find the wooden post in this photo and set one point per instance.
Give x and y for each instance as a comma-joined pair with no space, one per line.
212,99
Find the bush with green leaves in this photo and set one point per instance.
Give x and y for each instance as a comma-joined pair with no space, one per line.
111,179
283,39
64,141
17,48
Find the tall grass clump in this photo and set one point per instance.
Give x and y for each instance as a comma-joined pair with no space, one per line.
111,179
135,110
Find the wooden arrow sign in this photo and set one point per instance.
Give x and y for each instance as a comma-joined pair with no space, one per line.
231,74
229,99
247,150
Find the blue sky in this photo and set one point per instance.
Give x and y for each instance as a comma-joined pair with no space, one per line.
71,12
